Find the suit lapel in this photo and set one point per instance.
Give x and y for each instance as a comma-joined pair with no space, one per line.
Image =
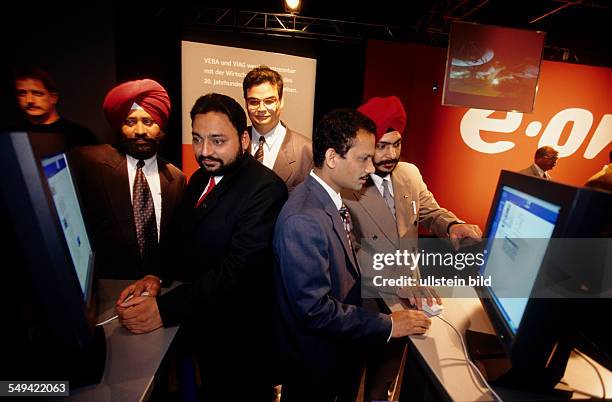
342,235
168,196
338,225
286,157
403,204
117,185
216,195
379,212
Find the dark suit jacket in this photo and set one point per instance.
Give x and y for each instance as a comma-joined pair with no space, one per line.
294,160
320,322
227,250
102,179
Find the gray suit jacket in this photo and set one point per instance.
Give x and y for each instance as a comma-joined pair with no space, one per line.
375,228
532,171
294,160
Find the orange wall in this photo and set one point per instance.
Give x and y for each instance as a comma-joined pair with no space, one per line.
462,178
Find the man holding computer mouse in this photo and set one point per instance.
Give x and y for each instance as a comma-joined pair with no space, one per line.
387,212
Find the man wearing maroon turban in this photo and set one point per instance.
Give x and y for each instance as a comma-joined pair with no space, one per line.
129,194
387,212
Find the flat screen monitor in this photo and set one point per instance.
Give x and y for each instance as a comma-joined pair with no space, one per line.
492,67
519,235
50,299
546,254
65,199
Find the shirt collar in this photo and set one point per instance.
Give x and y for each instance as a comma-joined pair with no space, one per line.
150,163
271,137
336,197
539,170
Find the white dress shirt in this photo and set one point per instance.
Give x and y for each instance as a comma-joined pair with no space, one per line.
274,140
151,173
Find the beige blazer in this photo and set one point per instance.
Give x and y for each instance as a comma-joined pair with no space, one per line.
376,230
294,160
532,171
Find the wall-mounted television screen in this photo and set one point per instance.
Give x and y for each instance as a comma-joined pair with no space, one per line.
490,67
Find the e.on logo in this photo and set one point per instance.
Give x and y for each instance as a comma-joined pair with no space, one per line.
475,120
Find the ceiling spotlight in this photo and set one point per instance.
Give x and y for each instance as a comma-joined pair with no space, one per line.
293,6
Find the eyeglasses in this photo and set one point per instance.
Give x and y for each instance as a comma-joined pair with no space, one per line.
269,103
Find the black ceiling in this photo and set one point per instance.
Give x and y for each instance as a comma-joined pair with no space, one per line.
577,31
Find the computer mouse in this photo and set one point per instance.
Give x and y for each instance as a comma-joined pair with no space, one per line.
433,310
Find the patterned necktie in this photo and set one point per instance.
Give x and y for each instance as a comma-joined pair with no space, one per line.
348,227
144,214
259,153
211,185
388,197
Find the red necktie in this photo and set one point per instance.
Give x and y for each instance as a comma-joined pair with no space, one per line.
211,185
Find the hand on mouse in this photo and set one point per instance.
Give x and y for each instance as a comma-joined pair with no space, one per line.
150,284
416,294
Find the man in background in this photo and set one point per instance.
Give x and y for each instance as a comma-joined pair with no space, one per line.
545,159
130,195
37,96
272,143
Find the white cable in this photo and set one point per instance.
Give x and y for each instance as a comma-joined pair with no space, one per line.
603,386
467,359
107,321
113,318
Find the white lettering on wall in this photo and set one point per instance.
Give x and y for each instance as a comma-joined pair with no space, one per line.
476,120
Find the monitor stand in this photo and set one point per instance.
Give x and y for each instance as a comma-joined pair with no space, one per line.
487,352
88,367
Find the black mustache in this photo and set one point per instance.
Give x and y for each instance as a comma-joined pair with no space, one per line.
384,162
201,159
150,140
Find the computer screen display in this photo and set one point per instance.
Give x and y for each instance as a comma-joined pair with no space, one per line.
517,242
69,214
492,67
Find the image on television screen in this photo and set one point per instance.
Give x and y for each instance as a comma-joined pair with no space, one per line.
494,68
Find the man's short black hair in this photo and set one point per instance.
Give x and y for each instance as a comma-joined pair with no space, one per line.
35,73
337,130
214,102
260,75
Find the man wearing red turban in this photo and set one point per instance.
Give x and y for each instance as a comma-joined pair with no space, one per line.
388,210
129,194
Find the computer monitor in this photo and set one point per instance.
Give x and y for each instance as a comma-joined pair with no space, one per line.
66,201
518,237
50,296
537,282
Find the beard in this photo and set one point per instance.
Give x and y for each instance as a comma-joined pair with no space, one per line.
223,168
384,173
140,148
